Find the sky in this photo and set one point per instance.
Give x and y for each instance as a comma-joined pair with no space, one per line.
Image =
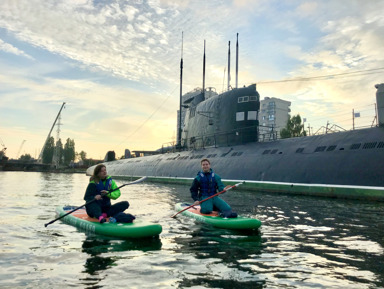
116,65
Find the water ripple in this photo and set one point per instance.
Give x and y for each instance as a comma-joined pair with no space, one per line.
304,242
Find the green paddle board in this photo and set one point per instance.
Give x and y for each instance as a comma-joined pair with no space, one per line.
239,223
80,219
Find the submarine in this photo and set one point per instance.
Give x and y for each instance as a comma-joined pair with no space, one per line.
225,129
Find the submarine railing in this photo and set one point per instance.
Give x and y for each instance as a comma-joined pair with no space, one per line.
233,137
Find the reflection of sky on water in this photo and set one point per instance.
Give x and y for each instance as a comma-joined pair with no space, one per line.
360,243
304,242
214,256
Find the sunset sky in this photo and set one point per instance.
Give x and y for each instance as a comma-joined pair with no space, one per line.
116,64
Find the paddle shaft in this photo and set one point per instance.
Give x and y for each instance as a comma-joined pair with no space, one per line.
202,201
78,208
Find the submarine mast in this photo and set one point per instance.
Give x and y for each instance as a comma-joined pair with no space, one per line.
229,64
181,92
204,71
237,59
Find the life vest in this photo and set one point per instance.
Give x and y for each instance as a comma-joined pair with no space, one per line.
104,186
207,184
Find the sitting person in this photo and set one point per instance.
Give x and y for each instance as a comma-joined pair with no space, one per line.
99,189
205,185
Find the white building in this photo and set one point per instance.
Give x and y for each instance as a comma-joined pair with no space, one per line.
273,116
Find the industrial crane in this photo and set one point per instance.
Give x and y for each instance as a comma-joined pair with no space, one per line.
2,152
21,146
40,158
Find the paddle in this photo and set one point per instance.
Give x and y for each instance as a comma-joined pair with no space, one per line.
202,201
131,183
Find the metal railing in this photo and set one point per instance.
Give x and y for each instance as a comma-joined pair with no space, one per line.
228,138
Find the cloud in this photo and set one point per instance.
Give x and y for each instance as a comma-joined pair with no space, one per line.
111,38
95,112
349,40
307,9
116,62
8,48
173,3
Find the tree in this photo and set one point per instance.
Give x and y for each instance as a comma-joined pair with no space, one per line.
48,151
83,155
25,158
294,128
59,151
69,151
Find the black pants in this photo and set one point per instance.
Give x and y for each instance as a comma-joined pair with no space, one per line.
95,211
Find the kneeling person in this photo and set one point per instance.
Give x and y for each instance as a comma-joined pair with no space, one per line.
206,184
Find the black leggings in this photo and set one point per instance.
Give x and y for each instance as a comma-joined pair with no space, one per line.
95,211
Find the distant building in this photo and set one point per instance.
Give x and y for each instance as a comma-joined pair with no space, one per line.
273,116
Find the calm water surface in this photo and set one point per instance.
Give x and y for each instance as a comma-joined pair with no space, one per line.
304,242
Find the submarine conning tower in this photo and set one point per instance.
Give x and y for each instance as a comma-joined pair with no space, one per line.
226,119
380,103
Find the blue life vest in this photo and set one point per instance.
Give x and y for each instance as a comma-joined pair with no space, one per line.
207,184
101,186
105,202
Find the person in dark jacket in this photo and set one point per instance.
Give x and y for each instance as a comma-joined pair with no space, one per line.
99,189
207,184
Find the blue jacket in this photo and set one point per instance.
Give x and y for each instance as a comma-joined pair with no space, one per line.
206,185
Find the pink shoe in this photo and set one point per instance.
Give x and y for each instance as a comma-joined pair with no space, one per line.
104,215
102,220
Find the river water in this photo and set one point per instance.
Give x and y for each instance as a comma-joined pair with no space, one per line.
304,242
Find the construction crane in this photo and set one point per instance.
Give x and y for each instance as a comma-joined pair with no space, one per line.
2,152
21,146
2,144
40,158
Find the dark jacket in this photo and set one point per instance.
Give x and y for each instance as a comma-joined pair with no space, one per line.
205,185
94,189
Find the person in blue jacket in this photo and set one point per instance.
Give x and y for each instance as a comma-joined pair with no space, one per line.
98,189
206,184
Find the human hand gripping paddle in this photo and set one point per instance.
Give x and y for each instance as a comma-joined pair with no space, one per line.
110,191
202,201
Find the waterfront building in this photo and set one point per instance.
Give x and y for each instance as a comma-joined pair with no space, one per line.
273,116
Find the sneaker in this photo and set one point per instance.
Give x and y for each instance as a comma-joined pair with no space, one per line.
102,220
233,215
112,220
228,214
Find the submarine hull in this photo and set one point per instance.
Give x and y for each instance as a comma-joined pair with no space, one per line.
344,164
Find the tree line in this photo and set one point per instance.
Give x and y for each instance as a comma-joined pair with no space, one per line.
65,155
61,155
57,153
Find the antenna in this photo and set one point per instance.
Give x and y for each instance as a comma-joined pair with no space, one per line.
229,64
237,58
181,89
204,70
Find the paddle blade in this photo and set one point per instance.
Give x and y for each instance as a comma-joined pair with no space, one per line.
138,181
